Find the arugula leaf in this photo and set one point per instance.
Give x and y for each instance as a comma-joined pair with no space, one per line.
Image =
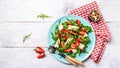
85,40
69,43
62,39
88,28
57,28
85,51
65,26
43,16
26,37
69,53
78,51
68,19
54,37
71,36
73,55
73,22
59,49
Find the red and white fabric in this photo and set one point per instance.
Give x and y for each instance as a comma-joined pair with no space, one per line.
100,28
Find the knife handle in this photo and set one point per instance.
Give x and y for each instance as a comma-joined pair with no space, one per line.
74,60
73,63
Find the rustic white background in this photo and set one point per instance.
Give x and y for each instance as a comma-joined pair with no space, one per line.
19,17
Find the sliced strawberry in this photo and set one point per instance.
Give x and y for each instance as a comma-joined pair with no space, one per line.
77,42
73,46
59,36
71,32
83,29
86,31
79,39
62,44
41,55
64,31
78,22
66,37
68,50
81,33
68,23
39,50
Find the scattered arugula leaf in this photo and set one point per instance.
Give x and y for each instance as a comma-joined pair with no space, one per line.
26,37
43,16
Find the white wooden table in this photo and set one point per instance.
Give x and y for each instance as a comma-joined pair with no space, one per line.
19,17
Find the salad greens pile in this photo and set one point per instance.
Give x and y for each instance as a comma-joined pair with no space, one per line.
71,37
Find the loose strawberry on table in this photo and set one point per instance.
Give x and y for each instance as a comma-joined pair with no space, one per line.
41,55
40,52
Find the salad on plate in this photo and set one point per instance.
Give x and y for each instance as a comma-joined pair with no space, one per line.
71,37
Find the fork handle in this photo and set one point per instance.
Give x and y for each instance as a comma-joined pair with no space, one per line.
73,63
75,60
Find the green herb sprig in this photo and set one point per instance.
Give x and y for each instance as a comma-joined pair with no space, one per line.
25,37
43,16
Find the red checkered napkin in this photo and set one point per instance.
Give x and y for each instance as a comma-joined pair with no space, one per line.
100,28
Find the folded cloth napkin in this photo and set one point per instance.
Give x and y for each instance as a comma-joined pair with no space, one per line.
100,28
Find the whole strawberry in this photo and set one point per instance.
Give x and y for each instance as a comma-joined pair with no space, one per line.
39,50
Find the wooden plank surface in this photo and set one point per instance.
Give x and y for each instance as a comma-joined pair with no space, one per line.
19,10
26,57
12,33
16,54
18,18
